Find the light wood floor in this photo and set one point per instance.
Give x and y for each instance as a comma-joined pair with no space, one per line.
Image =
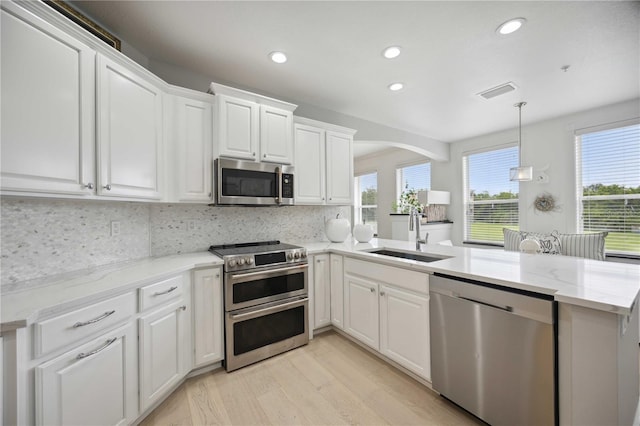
331,381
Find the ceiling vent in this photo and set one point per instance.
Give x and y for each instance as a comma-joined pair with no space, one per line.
497,91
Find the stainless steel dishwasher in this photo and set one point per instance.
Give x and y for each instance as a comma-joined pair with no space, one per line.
493,351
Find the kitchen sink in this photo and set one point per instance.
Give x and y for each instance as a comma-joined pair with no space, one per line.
404,255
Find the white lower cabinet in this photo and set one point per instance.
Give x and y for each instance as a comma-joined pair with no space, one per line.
208,331
164,351
361,310
387,309
95,383
321,273
404,329
337,291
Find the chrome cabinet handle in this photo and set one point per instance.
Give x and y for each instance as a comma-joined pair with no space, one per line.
265,155
210,195
254,154
382,293
373,290
100,318
183,307
107,187
88,186
160,293
95,351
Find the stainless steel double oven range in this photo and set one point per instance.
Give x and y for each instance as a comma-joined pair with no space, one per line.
266,300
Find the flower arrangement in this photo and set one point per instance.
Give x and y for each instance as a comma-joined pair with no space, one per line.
408,199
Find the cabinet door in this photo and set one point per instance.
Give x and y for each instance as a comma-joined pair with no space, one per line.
309,184
238,128
361,310
96,383
129,133
276,135
47,136
194,143
339,168
321,290
337,291
164,348
404,329
207,317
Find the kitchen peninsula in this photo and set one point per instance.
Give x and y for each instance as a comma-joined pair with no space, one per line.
597,315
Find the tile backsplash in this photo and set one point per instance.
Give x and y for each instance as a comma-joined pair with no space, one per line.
42,237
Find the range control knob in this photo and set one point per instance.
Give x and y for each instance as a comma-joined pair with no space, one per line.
289,256
241,261
232,263
304,255
296,255
249,260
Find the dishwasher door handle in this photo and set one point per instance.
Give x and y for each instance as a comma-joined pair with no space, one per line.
503,308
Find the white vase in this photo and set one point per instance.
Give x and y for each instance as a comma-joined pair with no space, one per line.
337,229
363,233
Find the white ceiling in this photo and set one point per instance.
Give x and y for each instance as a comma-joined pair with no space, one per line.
450,52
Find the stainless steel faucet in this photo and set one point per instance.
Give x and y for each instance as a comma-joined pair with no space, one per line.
414,217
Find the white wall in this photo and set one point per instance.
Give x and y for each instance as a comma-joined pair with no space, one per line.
544,144
548,143
385,164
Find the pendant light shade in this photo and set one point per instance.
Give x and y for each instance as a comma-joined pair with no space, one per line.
520,173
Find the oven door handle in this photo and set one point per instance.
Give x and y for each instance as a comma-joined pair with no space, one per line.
270,309
266,274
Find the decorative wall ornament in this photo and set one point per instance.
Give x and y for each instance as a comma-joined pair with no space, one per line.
545,203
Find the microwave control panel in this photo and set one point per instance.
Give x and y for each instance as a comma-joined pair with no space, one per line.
287,185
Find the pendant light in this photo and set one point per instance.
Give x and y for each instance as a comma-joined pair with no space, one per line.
520,173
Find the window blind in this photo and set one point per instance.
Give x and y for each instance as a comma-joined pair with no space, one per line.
491,201
608,192
416,177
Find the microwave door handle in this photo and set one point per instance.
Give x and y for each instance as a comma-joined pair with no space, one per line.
279,177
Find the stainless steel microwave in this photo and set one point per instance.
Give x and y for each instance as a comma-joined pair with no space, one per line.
256,184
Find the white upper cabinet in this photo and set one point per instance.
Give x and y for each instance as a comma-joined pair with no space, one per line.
276,136
47,107
339,168
189,161
323,162
252,127
238,126
129,130
309,183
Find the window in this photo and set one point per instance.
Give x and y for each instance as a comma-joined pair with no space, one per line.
417,177
491,201
366,208
608,178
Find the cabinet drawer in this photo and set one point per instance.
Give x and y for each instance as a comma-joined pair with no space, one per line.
161,292
403,278
73,326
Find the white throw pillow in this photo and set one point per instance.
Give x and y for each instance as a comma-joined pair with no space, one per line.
549,243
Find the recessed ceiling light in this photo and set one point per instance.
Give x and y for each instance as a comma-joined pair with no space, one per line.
278,57
396,86
391,52
511,26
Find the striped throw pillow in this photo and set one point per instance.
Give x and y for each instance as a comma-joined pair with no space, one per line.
590,246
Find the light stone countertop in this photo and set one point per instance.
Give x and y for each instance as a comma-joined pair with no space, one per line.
606,286
67,291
